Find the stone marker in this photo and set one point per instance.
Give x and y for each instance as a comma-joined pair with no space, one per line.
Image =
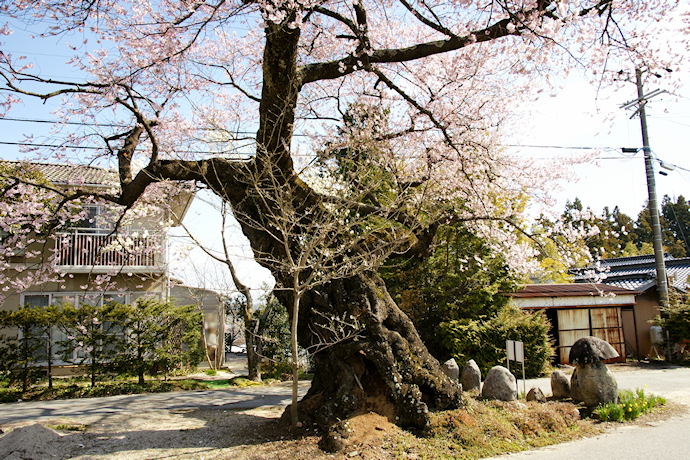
591,350
500,384
451,369
592,381
535,394
471,376
595,384
560,386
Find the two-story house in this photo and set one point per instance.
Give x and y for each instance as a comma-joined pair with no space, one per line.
92,261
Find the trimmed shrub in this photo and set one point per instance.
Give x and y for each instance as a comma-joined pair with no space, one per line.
484,340
677,324
157,337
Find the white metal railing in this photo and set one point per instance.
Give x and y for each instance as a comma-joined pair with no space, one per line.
82,247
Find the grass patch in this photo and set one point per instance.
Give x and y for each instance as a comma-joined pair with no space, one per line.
80,387
216,384
631,405
74,388
489,428
64,427
242,382
210,372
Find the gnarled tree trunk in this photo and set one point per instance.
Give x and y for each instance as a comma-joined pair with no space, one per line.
386,369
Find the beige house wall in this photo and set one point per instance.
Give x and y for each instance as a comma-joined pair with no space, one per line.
646,309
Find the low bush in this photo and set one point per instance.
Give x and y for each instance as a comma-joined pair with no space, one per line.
242,382
677,324
631,405
484,340
491,428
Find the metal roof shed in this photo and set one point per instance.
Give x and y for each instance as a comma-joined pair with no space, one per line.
639,273
580,310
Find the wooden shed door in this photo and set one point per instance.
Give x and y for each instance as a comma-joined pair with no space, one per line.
573,324
608,325
604,323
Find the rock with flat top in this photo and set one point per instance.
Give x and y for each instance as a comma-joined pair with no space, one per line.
592,383
591,350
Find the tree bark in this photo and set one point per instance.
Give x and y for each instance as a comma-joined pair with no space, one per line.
387,369
253,358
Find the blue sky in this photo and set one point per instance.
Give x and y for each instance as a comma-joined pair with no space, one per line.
579,116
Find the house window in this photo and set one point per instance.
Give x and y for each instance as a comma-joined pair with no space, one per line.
97,219
43,337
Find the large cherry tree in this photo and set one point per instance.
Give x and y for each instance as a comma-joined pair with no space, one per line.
398,105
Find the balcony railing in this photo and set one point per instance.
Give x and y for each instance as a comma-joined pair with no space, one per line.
101,248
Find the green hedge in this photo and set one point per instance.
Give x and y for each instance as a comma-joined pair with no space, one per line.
148,337
484,340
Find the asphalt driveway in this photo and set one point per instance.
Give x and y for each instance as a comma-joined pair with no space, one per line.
88,409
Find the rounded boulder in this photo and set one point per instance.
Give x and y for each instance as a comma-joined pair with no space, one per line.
500,384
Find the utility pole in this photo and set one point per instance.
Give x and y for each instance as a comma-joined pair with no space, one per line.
661,283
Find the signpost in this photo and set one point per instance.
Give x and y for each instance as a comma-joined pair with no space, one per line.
516,352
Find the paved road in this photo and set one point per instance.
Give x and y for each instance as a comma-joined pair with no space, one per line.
667,440
90,408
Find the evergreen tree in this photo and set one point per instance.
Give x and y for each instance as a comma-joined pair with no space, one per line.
92,333
644,233
677,218
156,337
462,278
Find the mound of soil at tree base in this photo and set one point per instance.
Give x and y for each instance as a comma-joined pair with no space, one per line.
369,429
33,442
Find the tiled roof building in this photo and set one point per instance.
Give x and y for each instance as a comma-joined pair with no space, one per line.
639,274
70,174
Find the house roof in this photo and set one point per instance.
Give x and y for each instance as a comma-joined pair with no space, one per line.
93,176
639,272
71,174
570,290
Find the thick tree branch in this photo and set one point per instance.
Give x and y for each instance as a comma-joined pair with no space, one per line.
341,67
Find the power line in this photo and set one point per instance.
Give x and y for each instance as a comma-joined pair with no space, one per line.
55,122
108,125
564,147
91,147
251,133
622,156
